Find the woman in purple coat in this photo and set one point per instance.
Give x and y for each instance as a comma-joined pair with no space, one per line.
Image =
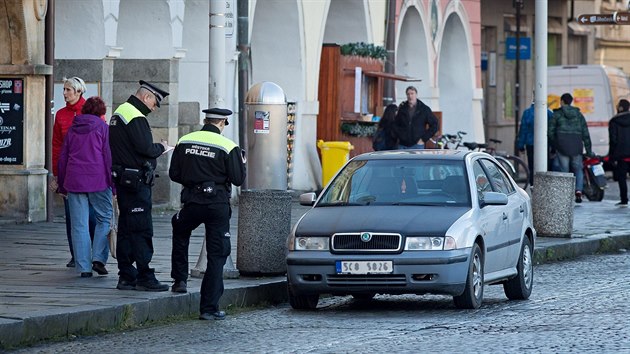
85,177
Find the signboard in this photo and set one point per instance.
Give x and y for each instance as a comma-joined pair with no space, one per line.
261,122
229,18
584,99
619,18
525,50
11,121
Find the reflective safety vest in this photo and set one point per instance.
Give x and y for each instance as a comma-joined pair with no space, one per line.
127,112
209,139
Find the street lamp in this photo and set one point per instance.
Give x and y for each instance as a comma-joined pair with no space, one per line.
518,5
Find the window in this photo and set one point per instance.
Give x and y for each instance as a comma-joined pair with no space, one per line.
498,178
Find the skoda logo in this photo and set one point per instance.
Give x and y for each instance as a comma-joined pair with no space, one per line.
366,237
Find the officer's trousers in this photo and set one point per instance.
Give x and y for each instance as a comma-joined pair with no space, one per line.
216,219
135,234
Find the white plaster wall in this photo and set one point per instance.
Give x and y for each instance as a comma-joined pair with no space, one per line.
377,15
79,29
144,29
346,22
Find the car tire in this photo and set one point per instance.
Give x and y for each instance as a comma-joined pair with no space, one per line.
520,287
303,302
473,292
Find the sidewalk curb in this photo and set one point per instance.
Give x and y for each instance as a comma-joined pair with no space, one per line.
89,320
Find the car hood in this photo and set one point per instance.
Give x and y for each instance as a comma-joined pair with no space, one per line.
407,220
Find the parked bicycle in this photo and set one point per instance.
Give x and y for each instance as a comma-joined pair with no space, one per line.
514,165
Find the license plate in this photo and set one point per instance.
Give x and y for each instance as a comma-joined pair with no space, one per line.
598,170
364,267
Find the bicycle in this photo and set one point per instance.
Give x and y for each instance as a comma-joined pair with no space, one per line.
513,165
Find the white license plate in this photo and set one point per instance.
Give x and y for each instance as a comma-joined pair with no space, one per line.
598,170
364,267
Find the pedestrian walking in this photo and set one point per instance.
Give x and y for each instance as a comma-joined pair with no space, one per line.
525,141
85,165
73,90
415,123
568,135
619,148
206,164
384,138
134,157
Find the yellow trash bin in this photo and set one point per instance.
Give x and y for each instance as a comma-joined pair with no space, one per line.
334,155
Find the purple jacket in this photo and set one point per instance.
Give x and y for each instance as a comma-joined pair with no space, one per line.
85,162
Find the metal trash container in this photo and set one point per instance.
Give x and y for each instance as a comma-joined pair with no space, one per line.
266,112
264,222
334,155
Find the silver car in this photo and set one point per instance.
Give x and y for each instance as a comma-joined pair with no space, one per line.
414,222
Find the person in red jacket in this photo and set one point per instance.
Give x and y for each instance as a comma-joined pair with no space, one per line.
73,90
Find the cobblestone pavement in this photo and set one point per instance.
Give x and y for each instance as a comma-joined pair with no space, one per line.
576,306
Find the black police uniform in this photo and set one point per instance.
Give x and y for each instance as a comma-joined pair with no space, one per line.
133,162
206,164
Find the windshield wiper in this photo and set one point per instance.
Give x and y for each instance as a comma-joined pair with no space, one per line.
416,203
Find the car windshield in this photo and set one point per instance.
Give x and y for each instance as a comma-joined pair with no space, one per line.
399,182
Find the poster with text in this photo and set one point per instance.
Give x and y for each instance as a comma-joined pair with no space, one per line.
11,121
261,122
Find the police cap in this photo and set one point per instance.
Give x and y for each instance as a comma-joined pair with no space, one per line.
218,113
159,94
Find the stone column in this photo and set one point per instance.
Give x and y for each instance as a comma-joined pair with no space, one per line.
553,203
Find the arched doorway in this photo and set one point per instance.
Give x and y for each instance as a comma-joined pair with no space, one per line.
456,80
346,22
412,55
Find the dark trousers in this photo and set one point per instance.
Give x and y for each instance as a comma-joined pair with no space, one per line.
135,234
216,219
92,224
621,172
530,163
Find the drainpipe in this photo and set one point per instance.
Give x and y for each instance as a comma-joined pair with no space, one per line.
49,59
243,71
389,91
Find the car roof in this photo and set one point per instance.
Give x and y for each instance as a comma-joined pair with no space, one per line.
427,154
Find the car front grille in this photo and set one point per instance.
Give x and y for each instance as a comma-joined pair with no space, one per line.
378,242
349,280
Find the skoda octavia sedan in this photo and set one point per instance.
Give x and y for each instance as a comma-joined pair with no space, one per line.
413,222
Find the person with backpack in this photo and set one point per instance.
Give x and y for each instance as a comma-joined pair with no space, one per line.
384,138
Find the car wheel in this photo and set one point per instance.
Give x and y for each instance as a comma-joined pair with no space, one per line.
363,296
473,292
303,302
520,287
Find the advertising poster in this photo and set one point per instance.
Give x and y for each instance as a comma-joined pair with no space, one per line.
584,99
11,121
261,122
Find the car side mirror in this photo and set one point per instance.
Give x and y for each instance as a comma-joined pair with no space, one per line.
308,199
494,198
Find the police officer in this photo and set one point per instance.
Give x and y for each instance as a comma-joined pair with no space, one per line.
133,161
206,164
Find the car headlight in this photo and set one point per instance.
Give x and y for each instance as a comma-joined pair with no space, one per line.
309,243
425,243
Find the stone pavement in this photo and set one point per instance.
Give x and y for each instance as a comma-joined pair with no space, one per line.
41,299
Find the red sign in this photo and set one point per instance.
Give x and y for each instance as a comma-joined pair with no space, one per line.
17,86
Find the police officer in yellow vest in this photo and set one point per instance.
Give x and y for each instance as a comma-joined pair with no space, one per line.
206,164
133,163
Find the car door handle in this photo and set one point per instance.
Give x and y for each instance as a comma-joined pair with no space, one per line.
504,216
521,209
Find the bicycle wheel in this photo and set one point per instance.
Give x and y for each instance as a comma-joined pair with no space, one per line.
521,172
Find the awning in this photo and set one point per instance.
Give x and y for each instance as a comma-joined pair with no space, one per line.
509,24
554,25
577,29
390,76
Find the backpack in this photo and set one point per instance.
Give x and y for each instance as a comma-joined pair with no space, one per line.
379,141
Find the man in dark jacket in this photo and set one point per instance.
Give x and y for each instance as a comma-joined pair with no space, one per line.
568,134
415,123
206,164
133,162
619,147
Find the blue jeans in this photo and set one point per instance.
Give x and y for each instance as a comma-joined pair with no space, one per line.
66,209
417,146
86,252
573,164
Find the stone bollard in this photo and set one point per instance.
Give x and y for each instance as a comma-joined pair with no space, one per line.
264,222
552,203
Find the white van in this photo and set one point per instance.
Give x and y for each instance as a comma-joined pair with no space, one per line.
596,90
